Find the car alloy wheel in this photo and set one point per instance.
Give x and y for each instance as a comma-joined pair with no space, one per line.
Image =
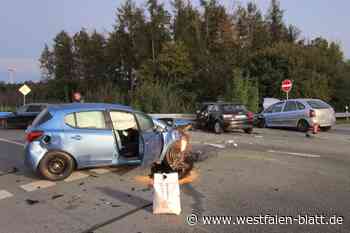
56,165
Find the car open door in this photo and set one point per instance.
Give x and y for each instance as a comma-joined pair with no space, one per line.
151,140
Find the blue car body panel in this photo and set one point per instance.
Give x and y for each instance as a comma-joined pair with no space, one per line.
94,147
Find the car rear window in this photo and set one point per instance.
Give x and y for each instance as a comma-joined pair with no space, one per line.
43,117
317,104
86,120
229,108
300,106
277,107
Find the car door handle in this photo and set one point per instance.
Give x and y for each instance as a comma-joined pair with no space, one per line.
76,137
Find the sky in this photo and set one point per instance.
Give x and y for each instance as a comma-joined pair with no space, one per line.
27,25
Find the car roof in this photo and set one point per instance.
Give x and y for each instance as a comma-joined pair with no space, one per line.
221,103
88,106
306,99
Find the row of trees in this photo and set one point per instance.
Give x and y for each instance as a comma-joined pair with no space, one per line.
167,60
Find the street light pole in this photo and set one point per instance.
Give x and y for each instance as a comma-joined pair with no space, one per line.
11,74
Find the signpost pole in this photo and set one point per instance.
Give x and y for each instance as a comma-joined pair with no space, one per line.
347,112
287,95
25,90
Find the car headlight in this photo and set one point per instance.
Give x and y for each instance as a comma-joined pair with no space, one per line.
183,144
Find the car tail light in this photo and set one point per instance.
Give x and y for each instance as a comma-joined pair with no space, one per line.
312,113
34,135
250,116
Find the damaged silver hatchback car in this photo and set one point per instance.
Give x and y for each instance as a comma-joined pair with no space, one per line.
73,136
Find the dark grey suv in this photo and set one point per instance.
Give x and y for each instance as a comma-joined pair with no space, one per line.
220,116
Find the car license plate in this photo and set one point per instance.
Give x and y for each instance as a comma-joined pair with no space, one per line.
240,117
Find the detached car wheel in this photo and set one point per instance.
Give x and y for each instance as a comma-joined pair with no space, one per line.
326,128
217,127
56,166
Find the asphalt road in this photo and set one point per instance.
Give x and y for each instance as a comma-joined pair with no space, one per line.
269,173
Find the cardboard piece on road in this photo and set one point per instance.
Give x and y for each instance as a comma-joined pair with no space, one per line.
76,176
166,195
5,194
37,185
25,90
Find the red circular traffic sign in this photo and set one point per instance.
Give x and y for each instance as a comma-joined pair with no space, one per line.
287,85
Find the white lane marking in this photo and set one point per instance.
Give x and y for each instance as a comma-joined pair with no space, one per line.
41,184
293,153
12,142
215,145
76,176
101,171
5,194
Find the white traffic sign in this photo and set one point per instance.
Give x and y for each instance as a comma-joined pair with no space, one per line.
25,90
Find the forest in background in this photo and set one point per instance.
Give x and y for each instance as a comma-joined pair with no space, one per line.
168,60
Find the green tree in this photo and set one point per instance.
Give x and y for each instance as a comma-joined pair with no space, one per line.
63,52
64,66
47,64
253,97
159,26
275,21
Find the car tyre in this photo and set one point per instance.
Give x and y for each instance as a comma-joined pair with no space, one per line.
248,131
326,128
303,126
262,123
218,128
56,165
4,124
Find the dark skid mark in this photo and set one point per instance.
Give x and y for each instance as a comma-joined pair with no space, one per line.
97,226
32,202
56,196
123,197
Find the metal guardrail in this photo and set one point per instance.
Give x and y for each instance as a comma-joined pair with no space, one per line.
342,115
175,116
193,116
